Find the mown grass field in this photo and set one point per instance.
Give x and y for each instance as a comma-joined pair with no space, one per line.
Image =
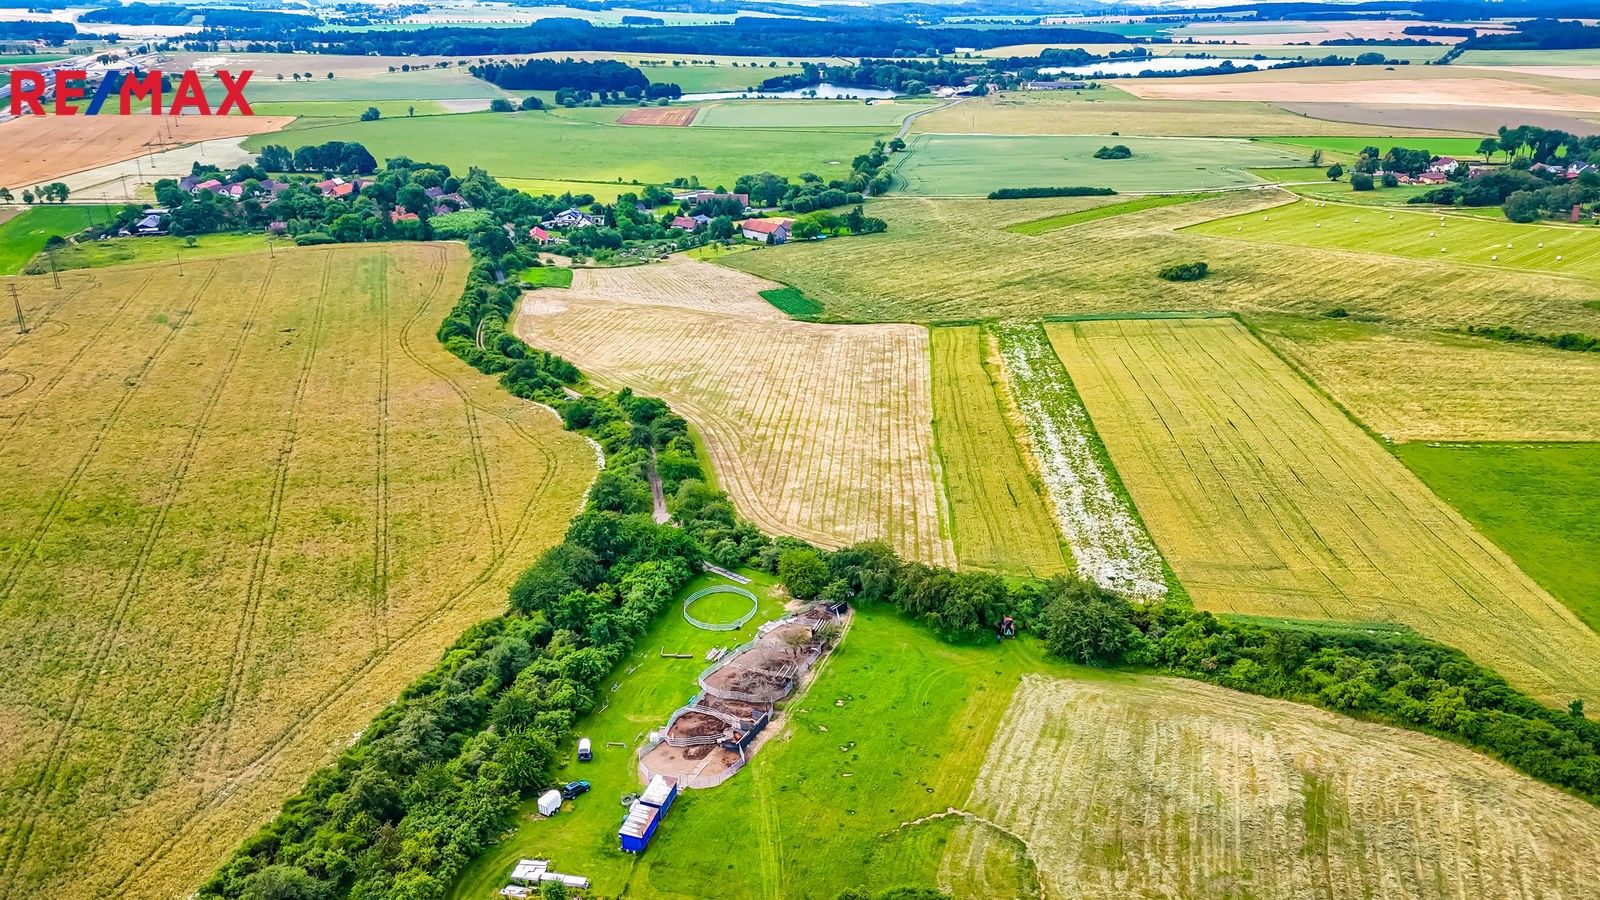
1153,787
942,165
1434,386
1421,235
601,191
922,269
648,687
1347,148
1095,213
999,522
807,114
570,149
1267,500
834,453
127,251
432,84
346,109
1538,502
1589,57
22,236
244,506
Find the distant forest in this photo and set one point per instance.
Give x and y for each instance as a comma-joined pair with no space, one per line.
552,75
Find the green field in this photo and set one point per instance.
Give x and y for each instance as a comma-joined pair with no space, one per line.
1419,235
1346,149
430,84
941,165
1000,522
1314,183
1539,502
547,276
1585,57
807,114
601,191
1093,213
124,251
793,302
547,146
23,236
346,109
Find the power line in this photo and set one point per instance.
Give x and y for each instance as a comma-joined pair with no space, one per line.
22,324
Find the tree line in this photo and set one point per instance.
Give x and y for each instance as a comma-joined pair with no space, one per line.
552,74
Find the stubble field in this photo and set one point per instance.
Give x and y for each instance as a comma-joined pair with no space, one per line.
247,504
999,521
1154,787
37,149
1266,500
819,431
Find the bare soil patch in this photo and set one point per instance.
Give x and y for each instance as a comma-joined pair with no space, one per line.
674,116
678,282
36,149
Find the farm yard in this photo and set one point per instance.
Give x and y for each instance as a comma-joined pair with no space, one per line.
249,501
998,520
1267,501
832,454
1142,787
940,165
909,273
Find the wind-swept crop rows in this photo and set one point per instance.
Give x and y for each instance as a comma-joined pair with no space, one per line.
819,431
219,560
1266,499
999,521
1105,537
1153,787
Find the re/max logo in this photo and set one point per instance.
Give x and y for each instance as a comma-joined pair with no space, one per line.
29,88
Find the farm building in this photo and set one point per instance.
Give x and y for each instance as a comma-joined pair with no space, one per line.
541,237
569,218
645,816
684,223
767,231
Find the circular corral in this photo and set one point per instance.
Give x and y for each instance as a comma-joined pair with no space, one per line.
736,624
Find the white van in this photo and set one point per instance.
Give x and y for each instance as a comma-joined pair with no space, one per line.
585,752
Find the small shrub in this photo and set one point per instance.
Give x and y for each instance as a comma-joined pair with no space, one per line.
1119,151
1360,181
1189,271
1338,312
313,238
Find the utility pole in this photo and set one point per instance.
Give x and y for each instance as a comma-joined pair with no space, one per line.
22,324
54,276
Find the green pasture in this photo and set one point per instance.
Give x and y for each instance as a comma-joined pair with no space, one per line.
1559,249
23,236
895,727
130,250
1346,149
1411,54
974,164
346,109
1067,220
547,146
644,690
1539,502
1313,182
24,59
602,191
807,114
547,276
429,84
1584,57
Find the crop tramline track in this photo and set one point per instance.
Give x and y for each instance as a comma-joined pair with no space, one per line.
244,633
185,825
380,487
34,324
44,784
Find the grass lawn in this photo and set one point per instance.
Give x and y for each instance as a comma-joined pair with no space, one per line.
793,302
582,838
544,145
23,236
1346,149
1399,195
973,165
1420,235
1066,220
547,276
1539,502
123,251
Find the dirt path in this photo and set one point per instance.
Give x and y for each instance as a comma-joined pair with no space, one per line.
658,494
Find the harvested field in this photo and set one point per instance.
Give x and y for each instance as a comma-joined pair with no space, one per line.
998,520
1155,787
1386,92
1112,110
36,149
909,273
819,431
245,504
1266,500
1470,119
1441,387
681,283
676,116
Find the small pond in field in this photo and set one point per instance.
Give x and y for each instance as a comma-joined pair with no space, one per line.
822,91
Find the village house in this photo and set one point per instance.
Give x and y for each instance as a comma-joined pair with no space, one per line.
569,218
695,198
684,223
1444,165
767,231
541,237
1430,178
398,215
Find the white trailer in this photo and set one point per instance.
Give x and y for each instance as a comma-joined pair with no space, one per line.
549,802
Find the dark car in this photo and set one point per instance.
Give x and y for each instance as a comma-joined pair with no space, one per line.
574,788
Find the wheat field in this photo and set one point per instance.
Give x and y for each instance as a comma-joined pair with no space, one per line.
246,501
1266,500
1157,787
823,432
